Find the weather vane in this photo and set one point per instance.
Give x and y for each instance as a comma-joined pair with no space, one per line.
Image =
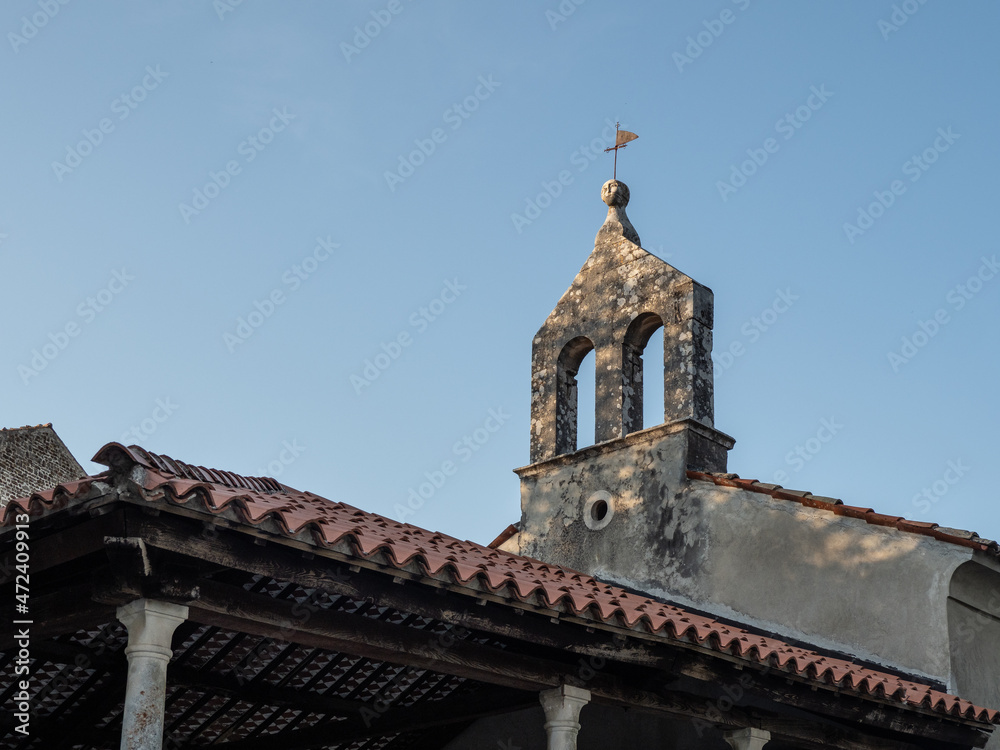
622,138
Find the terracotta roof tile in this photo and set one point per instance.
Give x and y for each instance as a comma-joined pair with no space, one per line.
402,552
45,501
879,519
465,571
170,466
953,536
784,494
256,501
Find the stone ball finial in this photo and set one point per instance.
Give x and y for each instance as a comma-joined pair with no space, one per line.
615,193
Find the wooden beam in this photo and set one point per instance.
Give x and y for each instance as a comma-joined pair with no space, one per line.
63,546
822,717
805,735
258,614
918,726
334,578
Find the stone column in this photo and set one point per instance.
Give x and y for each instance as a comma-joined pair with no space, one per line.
151,627
747,739
608,392
562,715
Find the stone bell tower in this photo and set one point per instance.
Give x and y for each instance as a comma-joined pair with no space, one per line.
621,297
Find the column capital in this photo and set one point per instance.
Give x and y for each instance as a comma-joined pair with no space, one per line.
151,626
564,703
749,738
562,706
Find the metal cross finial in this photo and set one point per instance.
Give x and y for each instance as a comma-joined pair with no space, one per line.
622,138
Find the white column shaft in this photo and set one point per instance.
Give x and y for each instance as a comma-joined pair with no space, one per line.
151,626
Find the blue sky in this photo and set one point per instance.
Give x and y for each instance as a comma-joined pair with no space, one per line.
352,180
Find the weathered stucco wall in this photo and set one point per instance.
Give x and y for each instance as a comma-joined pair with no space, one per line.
873,591
590,510
974,626
800,572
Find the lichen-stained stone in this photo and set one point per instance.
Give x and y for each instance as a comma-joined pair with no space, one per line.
621,297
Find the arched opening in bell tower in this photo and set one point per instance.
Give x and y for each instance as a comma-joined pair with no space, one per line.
642,374
572,356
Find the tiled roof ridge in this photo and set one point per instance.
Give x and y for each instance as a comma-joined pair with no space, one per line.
25,427
480,570
172,467
942,533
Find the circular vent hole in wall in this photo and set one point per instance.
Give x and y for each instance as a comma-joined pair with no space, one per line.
598,510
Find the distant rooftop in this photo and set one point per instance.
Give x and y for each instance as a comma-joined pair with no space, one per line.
31,457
